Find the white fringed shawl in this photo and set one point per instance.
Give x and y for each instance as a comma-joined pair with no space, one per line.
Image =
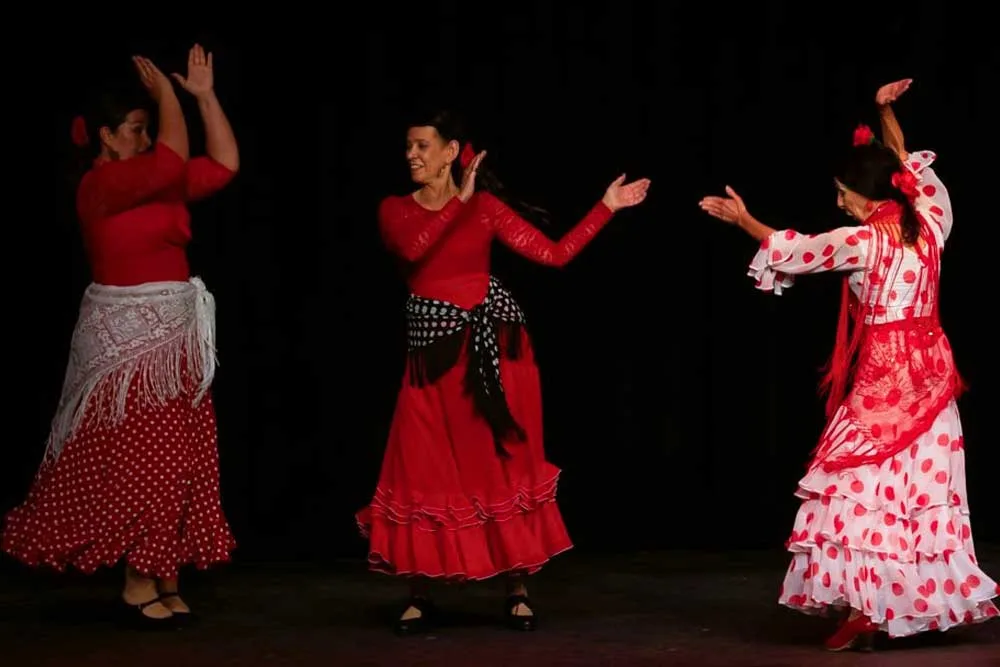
150,332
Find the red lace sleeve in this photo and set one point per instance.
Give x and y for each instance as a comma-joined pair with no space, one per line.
203,177
787,253
527,241
121,185
410,230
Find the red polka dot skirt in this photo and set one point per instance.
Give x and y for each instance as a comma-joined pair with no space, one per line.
146,490
893,541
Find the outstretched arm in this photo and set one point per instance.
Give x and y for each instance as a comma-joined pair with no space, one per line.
527,241
785,253
731,209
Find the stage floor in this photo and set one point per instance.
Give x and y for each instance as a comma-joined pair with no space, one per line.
645,609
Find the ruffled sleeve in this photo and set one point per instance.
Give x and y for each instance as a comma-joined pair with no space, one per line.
787,253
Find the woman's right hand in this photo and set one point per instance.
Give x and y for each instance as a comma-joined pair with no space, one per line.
153,80
468,186
729,209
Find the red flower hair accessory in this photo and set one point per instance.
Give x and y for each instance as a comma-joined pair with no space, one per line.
79,132
905,182
863,135
467,155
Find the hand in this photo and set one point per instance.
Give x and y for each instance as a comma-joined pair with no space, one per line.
620,196
728,209
200,77
153,80
891,92
469,178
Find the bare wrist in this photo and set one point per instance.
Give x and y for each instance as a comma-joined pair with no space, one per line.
206,99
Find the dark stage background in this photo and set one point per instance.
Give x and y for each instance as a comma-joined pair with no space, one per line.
680,401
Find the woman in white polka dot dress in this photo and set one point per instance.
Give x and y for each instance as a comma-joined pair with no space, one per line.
131,471
883,529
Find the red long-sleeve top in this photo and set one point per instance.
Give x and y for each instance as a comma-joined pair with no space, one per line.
449,250
134,216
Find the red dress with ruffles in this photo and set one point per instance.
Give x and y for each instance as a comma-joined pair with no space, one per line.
446,504
146,489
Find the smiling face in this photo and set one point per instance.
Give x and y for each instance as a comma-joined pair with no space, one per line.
128,139
429,155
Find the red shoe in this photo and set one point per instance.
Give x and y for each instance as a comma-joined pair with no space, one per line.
848,634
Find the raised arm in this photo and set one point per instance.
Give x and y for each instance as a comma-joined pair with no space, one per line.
207,175
527,241
410,230
173,129
933,203
220,142
892,133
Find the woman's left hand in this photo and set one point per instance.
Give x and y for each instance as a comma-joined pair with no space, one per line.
619,196
891,92
200,78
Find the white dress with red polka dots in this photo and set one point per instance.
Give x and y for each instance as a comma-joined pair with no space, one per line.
891,539
143,486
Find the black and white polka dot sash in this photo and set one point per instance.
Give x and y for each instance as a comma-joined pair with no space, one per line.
433,323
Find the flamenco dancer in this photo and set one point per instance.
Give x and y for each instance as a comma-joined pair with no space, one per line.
131,469
883,530
465,492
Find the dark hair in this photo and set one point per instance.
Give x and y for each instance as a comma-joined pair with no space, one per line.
108,108
868,170
451,128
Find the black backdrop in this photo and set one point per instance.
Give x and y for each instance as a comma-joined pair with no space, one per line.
680,402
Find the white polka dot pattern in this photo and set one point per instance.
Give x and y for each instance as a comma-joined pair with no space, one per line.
146,489
429,320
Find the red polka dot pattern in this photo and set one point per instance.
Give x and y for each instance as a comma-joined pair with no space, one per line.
893,540
787,253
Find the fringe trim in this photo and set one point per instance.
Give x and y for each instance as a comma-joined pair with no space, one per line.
165,370
428,364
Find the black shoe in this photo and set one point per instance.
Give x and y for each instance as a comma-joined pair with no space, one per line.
131,616
420,624
182,618
516,621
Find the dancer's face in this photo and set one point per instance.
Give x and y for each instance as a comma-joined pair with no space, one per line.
850,202
128,139
429,155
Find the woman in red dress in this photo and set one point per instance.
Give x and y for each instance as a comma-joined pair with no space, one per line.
465,492
883,533
131,468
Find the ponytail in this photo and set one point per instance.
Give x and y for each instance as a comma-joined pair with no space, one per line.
486,179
